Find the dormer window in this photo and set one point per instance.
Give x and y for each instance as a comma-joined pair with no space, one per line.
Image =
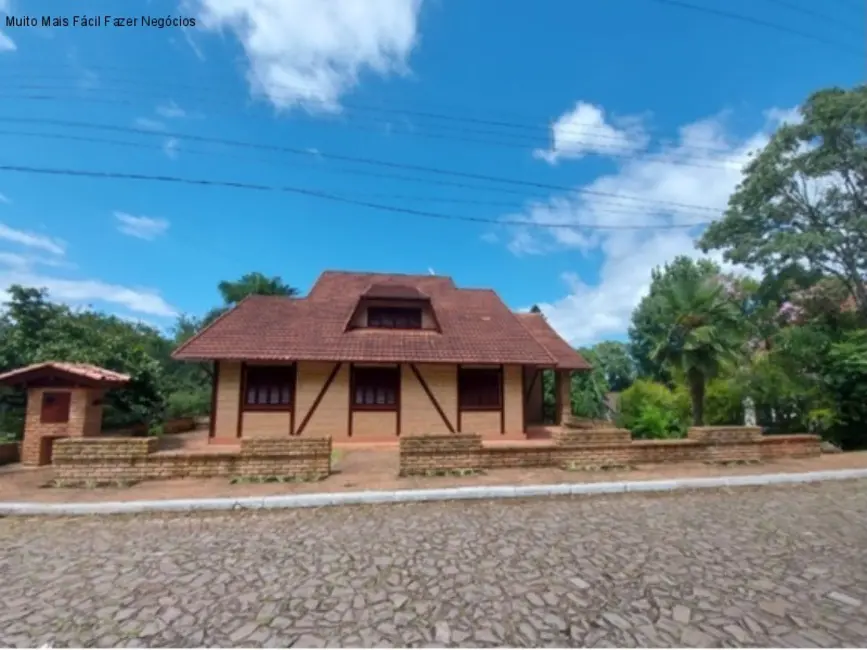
404,318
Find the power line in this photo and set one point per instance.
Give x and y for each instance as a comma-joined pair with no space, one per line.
336,198
534,133
589,146
352,159
603,208
758,21
815,14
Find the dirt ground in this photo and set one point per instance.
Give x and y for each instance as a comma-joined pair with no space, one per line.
376,469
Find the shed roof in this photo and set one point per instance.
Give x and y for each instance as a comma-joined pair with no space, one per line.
74,373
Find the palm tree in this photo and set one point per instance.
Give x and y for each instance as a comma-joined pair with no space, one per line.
254,284
702,331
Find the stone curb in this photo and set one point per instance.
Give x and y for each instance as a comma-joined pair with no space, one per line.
410,496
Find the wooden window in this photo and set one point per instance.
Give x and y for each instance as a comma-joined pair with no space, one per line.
55,407
401,318
375,389
480,389
269,388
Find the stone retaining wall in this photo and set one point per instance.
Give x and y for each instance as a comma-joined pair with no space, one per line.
575,448
138,459
10,452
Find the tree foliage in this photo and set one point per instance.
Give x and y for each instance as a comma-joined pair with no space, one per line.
253,284
699,331
648,324
652,410
803,200
33,329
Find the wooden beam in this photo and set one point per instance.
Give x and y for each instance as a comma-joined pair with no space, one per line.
502,399
432,398
398,399
241,396
319,397
294,398
350,406
458,389
215,385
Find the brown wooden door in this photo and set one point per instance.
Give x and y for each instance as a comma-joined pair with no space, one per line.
55,407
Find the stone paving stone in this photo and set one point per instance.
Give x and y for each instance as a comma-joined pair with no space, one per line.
757,567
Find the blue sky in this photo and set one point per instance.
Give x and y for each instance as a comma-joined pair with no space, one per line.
621,112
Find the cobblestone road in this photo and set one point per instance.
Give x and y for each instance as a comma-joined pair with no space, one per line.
780,567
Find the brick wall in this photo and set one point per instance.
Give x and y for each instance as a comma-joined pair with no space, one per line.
598,448
85,418
572,437
725,434
794,446
10,452
137,459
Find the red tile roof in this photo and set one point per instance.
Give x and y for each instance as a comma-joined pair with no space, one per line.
476,327
84,371
565,354
394,291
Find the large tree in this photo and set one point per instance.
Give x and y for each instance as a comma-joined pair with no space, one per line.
803,200
615,362
700,329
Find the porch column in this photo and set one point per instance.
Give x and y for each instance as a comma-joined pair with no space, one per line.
563,386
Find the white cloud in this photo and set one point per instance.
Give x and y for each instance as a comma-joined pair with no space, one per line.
147,228
780,116
585,130
149,124
170,110
701,169
310,52
6,43
32,240
20,269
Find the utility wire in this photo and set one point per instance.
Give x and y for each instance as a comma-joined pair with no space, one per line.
602,208
352,159
531,132
589,147
762,23
816,14
334,197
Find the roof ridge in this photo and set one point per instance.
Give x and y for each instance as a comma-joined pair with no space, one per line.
393,273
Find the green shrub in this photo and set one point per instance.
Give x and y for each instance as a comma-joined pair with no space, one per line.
654,423
189,403
652,410
723,402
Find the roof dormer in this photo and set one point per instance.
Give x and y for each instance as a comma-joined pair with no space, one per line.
393,307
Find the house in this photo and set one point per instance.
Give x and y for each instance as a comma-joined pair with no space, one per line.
369,357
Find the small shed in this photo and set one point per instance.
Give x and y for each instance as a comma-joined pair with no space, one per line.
64,400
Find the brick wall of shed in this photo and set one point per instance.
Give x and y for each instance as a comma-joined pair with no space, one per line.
85,419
